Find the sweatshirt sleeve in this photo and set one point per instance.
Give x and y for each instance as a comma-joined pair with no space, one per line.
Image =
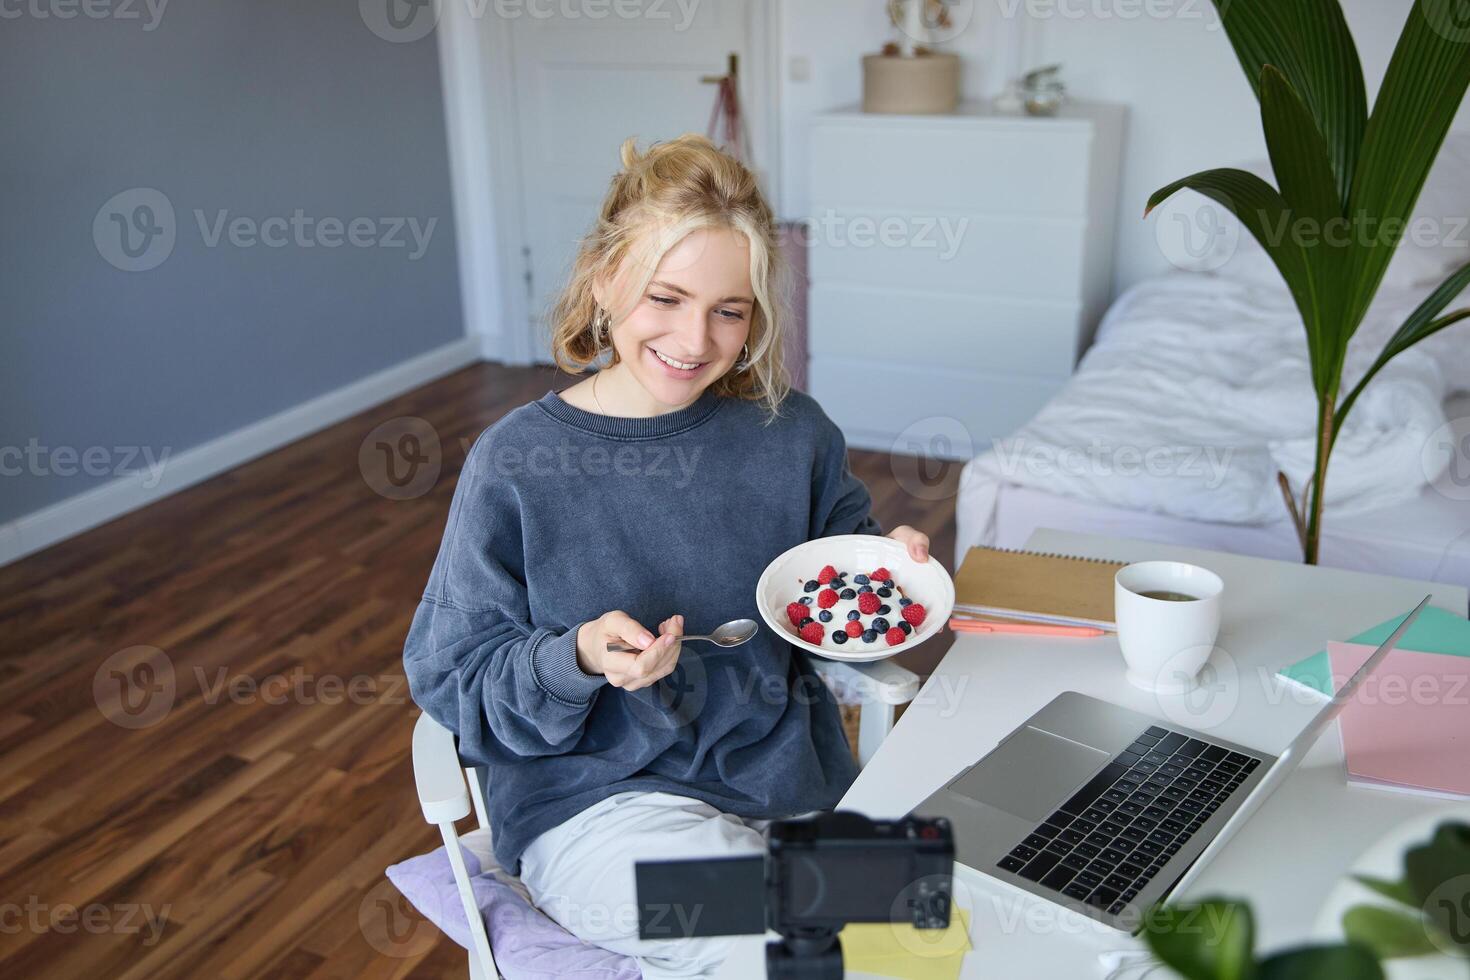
840,501
474,660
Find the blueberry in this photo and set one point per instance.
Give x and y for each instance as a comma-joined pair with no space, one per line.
853,615
907,629
885,592
869,636
839,637
880,624
884,609
904,602
866,588
805,600
847,594
860,579
825,615
811,586
806,621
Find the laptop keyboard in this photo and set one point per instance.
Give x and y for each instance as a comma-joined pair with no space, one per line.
1115,834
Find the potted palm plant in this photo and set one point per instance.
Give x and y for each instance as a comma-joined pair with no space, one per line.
1347,183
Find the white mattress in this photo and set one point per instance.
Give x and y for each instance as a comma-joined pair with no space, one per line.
1426,539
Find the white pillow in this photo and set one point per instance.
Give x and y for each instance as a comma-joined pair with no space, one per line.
1436,242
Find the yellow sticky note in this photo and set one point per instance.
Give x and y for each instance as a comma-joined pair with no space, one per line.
894,949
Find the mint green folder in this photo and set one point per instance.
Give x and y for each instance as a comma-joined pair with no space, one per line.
1435,631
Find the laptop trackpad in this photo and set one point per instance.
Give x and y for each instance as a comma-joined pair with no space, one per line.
1031,774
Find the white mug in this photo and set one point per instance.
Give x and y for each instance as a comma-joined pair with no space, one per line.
1165,641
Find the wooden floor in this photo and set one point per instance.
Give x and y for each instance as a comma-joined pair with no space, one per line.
204,725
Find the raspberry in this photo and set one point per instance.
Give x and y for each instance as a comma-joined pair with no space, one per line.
826,599
868,603
881,574
827,574
795,612
812,633
913,613
895,636
853,628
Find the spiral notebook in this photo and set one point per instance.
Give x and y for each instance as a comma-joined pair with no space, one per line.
1036,587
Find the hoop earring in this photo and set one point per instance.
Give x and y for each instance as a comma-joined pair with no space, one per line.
744,363
601,326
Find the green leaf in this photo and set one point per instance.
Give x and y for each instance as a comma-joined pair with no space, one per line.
1209,940
1421,92
1439,873
1266,215
1322,963
1309,41
1298,151
1422,323
1389,933
1398,891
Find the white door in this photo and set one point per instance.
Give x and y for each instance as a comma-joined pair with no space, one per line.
582,84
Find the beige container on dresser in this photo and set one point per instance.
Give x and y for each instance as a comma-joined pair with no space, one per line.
927,83
959,265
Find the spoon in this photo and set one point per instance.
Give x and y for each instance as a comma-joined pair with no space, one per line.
732,634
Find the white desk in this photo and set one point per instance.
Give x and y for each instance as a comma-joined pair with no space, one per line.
1284,860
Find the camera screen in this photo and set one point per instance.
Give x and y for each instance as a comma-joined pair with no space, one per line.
855,886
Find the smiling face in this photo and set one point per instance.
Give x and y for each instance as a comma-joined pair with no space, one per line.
687,328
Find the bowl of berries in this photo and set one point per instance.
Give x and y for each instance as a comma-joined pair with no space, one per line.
854,597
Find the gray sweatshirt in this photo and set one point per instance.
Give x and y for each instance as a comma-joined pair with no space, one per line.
561,515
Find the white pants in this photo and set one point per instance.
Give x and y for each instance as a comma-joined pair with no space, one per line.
581,872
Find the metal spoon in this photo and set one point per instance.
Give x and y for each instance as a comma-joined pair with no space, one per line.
732,634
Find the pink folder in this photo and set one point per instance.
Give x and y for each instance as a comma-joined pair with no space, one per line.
1408,727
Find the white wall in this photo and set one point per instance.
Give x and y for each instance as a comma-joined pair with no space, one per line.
1190,106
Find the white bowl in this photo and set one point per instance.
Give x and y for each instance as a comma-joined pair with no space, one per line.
927,583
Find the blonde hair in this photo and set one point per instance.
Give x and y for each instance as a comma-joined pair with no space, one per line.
657,199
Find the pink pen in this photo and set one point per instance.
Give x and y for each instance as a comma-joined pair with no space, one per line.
960,625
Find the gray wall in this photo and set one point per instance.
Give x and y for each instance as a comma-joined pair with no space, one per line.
256,109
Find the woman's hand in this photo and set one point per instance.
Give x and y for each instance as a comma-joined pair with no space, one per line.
917,542
656,658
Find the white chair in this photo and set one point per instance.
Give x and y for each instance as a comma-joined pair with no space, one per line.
447,790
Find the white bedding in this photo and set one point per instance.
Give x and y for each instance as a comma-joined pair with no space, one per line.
1197,391
1427,539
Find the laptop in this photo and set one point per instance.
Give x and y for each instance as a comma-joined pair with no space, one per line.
1106,811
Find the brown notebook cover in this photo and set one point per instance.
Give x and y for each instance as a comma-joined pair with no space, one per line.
1031,587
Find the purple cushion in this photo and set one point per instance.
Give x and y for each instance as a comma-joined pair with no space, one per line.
526,943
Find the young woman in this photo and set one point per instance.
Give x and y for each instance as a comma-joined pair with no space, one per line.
655,491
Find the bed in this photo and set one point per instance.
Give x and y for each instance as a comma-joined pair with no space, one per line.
1196,392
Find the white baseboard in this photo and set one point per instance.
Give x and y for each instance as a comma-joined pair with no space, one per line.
61,520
